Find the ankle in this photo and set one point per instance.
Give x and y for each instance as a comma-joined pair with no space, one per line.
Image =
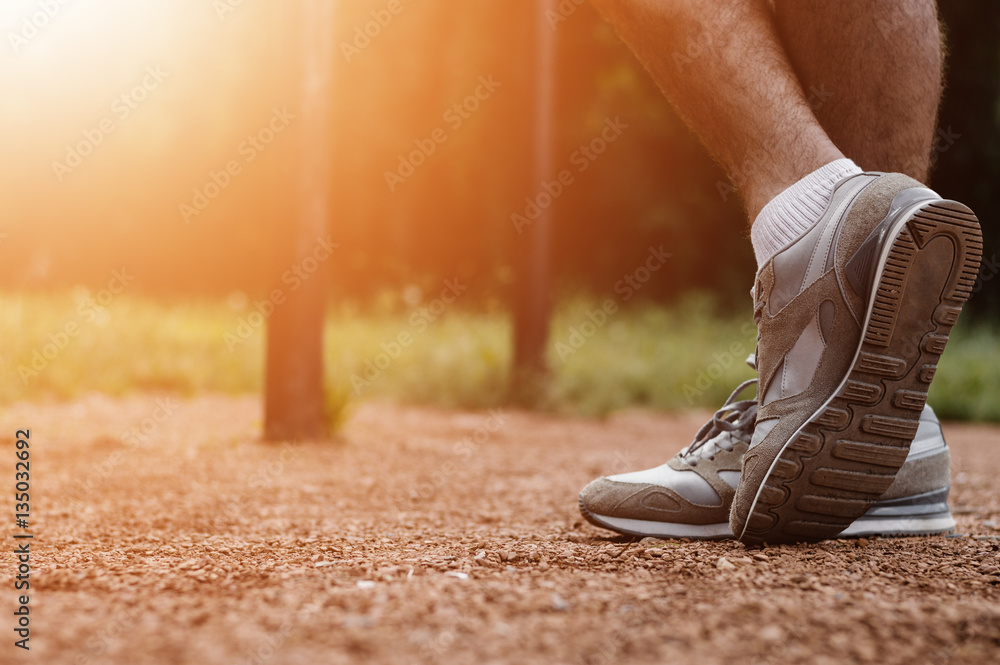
787,216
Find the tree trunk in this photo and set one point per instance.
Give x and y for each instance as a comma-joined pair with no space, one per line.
294,402
533,301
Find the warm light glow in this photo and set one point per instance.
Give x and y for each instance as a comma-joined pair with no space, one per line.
166,137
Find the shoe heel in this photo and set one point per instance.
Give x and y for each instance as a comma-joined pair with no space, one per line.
940,219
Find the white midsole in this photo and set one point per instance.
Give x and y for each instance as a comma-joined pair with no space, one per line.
666,529
860,527
880,268
891,525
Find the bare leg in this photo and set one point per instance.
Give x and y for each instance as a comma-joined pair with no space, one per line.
722,65
872,72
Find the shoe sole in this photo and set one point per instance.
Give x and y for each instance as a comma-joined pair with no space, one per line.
922,519
643,528
834,468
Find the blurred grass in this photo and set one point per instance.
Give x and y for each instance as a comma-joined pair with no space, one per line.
679,357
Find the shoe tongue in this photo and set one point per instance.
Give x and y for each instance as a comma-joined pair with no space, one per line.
734,421
710,447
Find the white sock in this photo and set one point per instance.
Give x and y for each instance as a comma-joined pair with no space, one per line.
791,213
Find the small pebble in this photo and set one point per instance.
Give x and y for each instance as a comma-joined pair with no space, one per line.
771,633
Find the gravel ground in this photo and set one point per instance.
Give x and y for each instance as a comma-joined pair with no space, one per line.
435,536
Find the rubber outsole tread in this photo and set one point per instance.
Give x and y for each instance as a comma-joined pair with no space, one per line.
870,453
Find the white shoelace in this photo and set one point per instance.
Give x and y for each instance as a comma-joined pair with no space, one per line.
734,421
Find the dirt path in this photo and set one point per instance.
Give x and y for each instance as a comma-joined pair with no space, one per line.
432,536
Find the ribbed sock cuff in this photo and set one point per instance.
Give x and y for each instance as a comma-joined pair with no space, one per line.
797,209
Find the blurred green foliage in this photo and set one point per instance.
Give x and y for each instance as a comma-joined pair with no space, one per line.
686,356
